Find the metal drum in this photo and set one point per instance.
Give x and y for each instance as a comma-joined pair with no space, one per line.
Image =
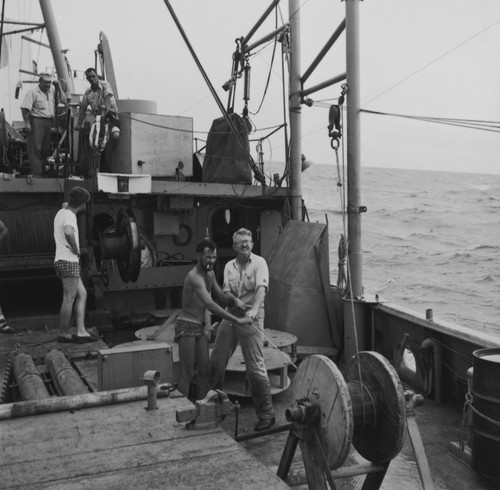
485,452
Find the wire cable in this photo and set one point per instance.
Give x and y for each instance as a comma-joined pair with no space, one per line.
491,126
446,53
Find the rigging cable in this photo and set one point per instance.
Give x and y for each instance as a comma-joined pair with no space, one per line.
481,125
1,30
39,48
268,75
258,175
446,53
335,125
245,71
492,126
345,274
285,59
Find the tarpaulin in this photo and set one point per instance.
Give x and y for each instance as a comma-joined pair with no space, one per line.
225,160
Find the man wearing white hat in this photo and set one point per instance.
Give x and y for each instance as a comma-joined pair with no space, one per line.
38,109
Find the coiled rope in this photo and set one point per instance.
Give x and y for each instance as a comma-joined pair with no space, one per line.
30,232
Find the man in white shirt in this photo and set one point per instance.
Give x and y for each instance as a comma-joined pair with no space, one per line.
67,266
245,278
39,111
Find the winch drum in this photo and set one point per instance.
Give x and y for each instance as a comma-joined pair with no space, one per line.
123,245
369,413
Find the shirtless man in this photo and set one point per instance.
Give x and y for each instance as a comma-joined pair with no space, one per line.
190,327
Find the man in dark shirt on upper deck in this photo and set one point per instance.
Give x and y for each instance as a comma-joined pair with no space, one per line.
100,95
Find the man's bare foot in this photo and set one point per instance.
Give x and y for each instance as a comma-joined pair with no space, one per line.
86,337
66,337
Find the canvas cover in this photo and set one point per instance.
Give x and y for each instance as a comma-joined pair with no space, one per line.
225,161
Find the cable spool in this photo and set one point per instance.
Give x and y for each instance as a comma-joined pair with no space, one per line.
378,406
341,410
123,245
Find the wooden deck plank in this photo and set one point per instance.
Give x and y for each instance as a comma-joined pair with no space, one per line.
60,430
70,461
18,446
123,446
236,470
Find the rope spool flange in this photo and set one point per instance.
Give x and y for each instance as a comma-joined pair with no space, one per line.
378,406
319,383
342,410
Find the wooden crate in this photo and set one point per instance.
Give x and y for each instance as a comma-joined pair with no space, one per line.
123,367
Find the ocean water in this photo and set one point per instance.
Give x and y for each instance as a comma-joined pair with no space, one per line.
429,239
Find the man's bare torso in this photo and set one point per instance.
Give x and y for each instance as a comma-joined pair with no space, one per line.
193,307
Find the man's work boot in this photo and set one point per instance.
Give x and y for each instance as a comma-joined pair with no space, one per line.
265,424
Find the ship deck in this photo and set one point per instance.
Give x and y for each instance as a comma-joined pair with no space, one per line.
439,427
126,446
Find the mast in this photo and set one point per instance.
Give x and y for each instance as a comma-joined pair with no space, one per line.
295,112
55,45
353,147
354,311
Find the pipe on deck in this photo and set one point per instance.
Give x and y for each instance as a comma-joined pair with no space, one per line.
64,376
75,402
29,380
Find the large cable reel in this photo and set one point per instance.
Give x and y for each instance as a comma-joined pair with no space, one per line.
123,244
365,408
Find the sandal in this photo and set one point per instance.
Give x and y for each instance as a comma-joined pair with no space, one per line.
5,327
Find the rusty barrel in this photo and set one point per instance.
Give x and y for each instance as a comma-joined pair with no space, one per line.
486,413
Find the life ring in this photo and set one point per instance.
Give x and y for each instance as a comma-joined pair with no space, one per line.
189,234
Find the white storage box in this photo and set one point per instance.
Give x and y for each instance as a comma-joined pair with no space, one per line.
154,144
124,183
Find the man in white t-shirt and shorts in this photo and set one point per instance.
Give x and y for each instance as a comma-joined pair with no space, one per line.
67,266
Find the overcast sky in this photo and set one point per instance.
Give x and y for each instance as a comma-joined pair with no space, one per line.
419,58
